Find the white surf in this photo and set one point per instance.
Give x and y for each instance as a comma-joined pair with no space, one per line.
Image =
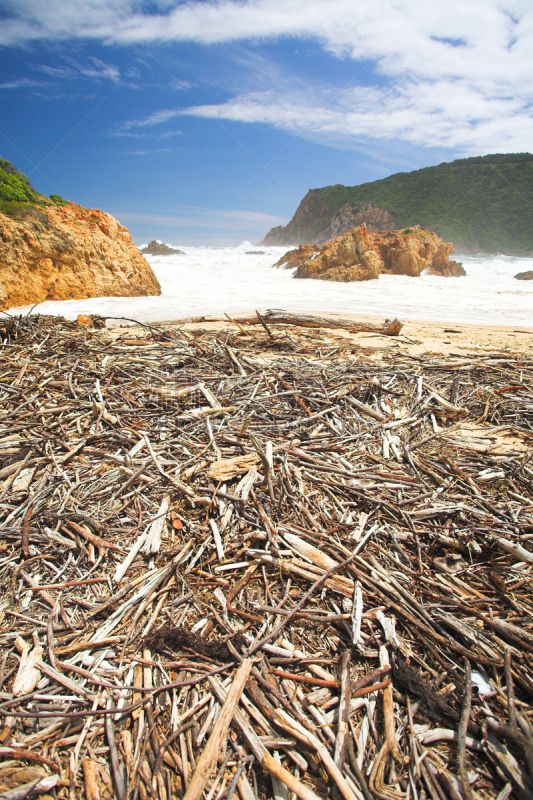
209,280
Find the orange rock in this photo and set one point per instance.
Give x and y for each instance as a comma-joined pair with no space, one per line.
84,321
362,256
69,252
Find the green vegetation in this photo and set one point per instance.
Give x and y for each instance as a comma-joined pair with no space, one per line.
480,204
17,195
57,200
14,186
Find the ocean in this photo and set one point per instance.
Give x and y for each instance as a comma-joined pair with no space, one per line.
210,280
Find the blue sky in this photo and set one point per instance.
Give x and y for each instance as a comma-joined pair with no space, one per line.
205,122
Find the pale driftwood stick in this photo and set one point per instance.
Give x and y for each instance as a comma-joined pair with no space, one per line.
515,550
311,321
295,729
341,742
233,357
235,323
261,753
245,790
210,753
92,786
365,409
461,733
388,707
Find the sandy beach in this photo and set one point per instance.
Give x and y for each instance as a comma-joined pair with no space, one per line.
416,338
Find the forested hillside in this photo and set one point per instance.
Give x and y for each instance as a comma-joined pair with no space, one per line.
480,204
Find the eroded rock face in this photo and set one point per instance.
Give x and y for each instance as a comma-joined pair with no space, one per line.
313,223
363,256
159,249
69,252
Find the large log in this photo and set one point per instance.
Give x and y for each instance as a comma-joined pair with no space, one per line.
313,321
389,328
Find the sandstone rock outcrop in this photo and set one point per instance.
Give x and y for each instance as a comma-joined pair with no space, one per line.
69,252
363,256
525,276
159,249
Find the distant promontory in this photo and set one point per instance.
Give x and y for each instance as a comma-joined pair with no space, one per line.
481,204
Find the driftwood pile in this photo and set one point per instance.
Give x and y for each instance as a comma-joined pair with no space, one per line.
254,562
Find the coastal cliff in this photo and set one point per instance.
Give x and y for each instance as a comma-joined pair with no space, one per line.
313,222
362,256
68,252
481,204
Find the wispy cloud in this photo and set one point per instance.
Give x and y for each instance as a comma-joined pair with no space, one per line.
451,114
72,70
128,135
151,152
21,83
153,119
101,70
443,74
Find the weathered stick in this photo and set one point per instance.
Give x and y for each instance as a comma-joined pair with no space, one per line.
90,537
461,733
210,753
261,753
341,743
311,321
295,729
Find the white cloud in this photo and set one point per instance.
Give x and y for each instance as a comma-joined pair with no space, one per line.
101,70
451,114
454,74
97,69
150,152
21,83
153,119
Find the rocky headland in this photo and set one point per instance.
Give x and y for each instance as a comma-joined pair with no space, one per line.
159,249
68,252
362,256
491,219
314,224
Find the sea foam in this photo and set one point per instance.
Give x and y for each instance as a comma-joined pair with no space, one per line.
209,280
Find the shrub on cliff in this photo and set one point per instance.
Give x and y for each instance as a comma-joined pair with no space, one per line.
57,200
15,187
18,198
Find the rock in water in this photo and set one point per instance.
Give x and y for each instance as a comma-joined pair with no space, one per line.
160,249
363,256
525,276
69,252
